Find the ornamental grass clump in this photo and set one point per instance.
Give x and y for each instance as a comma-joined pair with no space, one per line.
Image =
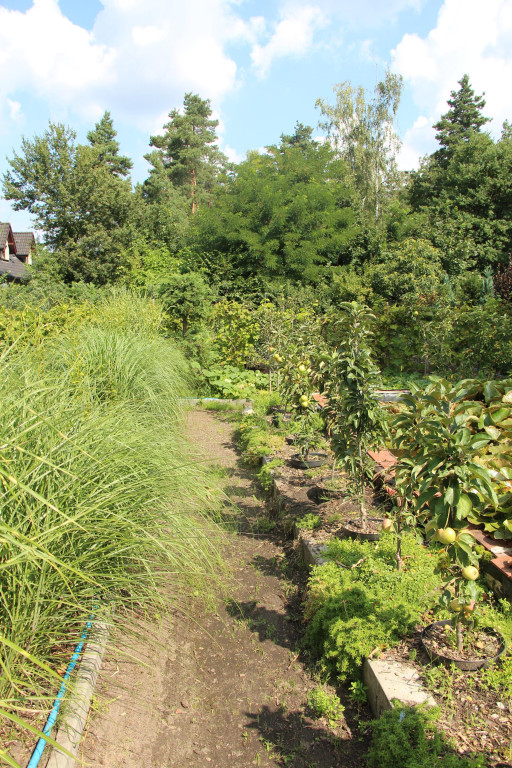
101,500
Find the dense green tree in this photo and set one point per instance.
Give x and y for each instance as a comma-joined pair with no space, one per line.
103,139
186,298
81,206
186,155
465,206
360,128
285,215
462,119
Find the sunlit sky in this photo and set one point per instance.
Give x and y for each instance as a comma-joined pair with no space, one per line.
263,65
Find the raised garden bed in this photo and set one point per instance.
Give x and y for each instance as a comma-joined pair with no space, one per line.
474,713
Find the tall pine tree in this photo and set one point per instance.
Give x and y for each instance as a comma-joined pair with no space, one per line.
187,153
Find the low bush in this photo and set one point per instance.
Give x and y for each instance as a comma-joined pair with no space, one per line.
232,382
405,737
324,704
359,602
256,439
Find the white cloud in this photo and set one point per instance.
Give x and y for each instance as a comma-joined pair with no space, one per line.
364,13
42,49
470,37
147,35
137,69
15,112
416,143
293,35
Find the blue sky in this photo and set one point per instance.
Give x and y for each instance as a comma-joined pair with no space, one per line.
263,65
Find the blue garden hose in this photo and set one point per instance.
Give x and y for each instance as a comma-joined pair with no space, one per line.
41,744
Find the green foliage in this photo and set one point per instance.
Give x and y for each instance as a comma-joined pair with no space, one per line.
448,469
285,215
462,119
186,155
357,419
412,267
256,439
235,332
361,129
80,204
186,298
232,382
324,704
359,601
102,499
481,339
309,522
404,737
103,140
266,473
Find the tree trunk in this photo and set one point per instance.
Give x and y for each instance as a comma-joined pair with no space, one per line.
398,556
458,630
193,185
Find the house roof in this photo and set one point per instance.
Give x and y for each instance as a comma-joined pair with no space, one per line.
13,268
5,231
24,242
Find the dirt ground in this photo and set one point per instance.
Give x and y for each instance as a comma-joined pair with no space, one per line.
227,687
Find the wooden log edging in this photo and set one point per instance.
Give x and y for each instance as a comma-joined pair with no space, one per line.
77,708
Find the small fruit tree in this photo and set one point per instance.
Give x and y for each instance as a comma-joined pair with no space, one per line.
440,432
357,419
297,387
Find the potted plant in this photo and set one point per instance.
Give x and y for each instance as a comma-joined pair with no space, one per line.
440,433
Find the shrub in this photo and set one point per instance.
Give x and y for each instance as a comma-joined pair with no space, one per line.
323,704
404,738
358,601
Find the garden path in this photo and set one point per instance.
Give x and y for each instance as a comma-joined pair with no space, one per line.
224,687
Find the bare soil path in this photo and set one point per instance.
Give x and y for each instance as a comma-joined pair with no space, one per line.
225,687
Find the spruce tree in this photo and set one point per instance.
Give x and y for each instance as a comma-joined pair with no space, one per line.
462,119
103,140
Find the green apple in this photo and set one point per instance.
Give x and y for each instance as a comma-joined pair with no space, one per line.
446,535
470,573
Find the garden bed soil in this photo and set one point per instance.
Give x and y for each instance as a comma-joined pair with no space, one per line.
475,718
356,530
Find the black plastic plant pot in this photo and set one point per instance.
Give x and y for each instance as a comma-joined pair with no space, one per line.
280,416
468,665
310,462
319,495
353,529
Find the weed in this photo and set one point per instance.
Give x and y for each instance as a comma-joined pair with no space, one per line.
406,736
323,704
309,522
358,692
